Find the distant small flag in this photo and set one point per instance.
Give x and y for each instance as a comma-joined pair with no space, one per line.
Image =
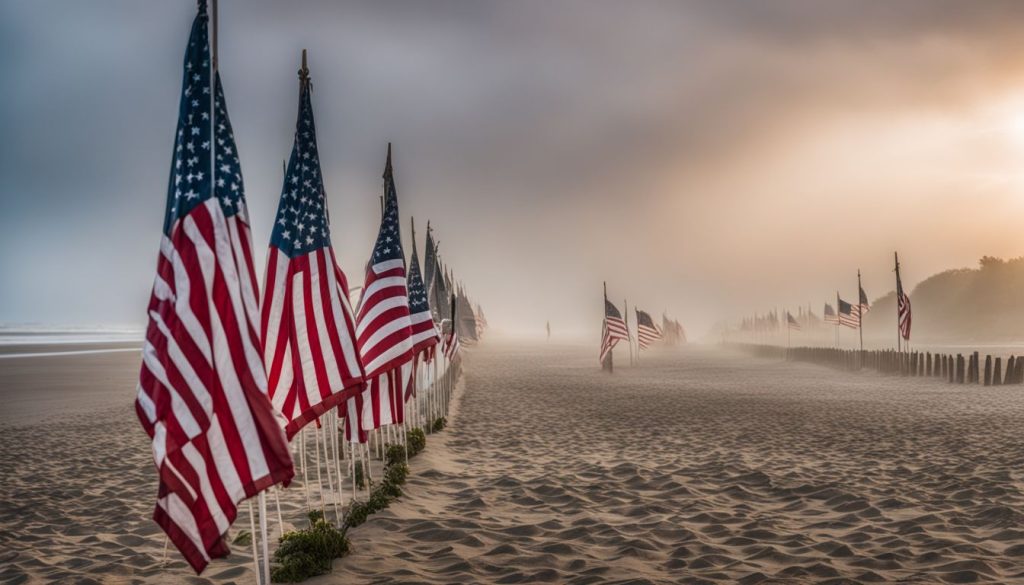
646,331
614,329
903,306
848,315
424,334
830,315
451,342
791,322
451,345
864,305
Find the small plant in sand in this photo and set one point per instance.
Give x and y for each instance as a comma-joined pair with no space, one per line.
417,441
388,489
394,454
360,476
244,538
396,473
439,424
306,553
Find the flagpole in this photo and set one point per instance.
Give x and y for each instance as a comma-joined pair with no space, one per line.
899,335
789,332
860,312
838,312
608,360
629,339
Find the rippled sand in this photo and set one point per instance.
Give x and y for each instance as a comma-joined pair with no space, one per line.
692,467
703,467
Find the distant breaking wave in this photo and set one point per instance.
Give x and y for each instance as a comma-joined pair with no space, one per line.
41,335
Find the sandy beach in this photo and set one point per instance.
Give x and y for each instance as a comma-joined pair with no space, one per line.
695,467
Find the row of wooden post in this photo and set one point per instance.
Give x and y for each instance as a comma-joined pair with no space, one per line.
956,369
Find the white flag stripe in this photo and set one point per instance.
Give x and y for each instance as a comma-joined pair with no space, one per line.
381,306
309,381
342,313
223,362
323,333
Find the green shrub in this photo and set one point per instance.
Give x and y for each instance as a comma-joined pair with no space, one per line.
394,454
417,441
244,538
302,554
396,473
360,476
358,512
439,424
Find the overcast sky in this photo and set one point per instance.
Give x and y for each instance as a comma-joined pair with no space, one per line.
705,158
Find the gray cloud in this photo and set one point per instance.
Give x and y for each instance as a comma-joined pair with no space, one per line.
554,145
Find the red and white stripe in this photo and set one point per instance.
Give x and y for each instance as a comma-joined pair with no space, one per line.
646,336
384,337
308,336
903,312
384,326
424,334
614,330
352,412
384,398
451,344
202,394
851,319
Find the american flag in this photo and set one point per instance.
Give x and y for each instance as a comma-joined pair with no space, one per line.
830,314
308,328
385,396
451,342
384,325
424,334
613,329
791,322
646,331
202,395
903,305
865,306
433,279
848,314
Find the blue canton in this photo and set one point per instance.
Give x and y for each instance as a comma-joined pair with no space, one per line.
191,182
228,174
301,225
389,238
417,290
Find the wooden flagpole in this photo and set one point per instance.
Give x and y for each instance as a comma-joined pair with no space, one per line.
860,313
608,364
838,312
629,338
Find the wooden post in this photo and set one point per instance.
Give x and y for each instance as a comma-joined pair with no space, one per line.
997,373
1009,370
959,368
988,370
